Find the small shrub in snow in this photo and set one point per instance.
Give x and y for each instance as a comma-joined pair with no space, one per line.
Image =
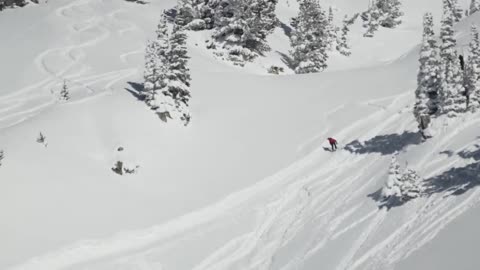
276,70
124,165
42,139
64,94
401,187
2,156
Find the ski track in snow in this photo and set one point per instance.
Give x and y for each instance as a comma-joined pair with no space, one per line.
18,106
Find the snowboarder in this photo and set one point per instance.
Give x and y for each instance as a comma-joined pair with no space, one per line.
333,143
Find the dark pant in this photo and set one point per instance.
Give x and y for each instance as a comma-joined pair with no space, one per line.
334,146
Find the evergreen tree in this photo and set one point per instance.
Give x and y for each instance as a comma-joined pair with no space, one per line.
471,87
185,13
309,39
178,75
331,30
372,21
156,63
401,187
242,26
390,12
343,46
474,6
456,9
474,49
2,156
428,78
451,94
472,71
64,94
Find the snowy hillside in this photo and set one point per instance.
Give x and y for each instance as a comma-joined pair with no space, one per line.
250,183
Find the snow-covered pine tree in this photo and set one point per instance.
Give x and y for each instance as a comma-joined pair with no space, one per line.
401,187
331,30
242,26
451,93
472,71
474,6
411,185
456,9
372,23
185,12
156,63
64,94
392,185
309,39
343,46
390,12
470,83
428,77
178,75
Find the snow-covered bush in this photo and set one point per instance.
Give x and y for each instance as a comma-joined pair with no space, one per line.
42,139
12,3
124,163
401,187
2,156
275,70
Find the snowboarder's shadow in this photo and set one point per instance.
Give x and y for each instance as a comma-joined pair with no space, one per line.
327,149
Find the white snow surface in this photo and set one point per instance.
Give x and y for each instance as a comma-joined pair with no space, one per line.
248,185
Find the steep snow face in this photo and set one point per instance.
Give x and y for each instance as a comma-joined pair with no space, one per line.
250,184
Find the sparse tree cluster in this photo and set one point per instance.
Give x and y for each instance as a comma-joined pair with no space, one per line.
167,76
447,83
240,27
382,13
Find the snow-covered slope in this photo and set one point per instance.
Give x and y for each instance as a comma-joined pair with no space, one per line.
248,185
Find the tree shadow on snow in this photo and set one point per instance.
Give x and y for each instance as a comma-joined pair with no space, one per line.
385,144
136,89
455,181
382,202
287,30
287,60
475,154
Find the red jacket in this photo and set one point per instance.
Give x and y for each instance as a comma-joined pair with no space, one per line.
332,141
